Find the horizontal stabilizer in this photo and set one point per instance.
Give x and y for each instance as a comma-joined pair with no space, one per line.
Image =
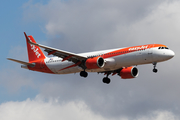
21,62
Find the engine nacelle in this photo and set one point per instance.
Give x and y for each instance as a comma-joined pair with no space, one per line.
95,63
129,72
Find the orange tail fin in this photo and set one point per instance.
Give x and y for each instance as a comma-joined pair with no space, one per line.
34,52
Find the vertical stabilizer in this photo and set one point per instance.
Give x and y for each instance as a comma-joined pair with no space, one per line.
34,52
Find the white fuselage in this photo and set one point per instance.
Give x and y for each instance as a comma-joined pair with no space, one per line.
138,57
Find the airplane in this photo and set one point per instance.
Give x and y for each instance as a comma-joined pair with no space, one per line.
120,61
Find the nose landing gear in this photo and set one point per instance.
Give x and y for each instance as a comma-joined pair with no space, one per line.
154,69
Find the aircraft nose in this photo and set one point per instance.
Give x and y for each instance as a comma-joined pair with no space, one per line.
170,54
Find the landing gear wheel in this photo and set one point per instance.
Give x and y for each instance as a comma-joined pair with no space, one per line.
106,80
155,70
83,74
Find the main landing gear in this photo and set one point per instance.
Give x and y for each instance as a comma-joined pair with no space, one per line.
155,70
106,79
83,74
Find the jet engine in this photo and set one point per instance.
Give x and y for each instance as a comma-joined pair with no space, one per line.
129,72
95,63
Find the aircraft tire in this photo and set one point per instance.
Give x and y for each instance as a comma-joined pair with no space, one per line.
106,80
155,70
83,74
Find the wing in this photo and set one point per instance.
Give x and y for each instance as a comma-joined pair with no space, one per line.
60,53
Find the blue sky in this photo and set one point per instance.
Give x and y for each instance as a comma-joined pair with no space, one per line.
80,26
12,27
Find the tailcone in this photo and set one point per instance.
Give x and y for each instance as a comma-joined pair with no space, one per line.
24,66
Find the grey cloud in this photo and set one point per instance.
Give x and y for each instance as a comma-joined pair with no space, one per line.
95,23
130,98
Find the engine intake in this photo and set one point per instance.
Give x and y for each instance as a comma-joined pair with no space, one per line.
129,72
95,63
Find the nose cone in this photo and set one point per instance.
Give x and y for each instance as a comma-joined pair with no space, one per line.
170,54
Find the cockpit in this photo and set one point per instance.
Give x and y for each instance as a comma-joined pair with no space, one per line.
163,48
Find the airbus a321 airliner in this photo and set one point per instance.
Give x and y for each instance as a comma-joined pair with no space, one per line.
119,61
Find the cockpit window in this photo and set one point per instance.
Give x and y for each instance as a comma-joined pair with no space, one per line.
163,48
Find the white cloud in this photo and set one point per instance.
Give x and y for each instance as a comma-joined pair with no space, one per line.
40,109
159,115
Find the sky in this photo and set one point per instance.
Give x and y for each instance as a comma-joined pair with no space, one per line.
88,25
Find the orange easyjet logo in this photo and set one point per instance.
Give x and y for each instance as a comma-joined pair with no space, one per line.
35,50
139,47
